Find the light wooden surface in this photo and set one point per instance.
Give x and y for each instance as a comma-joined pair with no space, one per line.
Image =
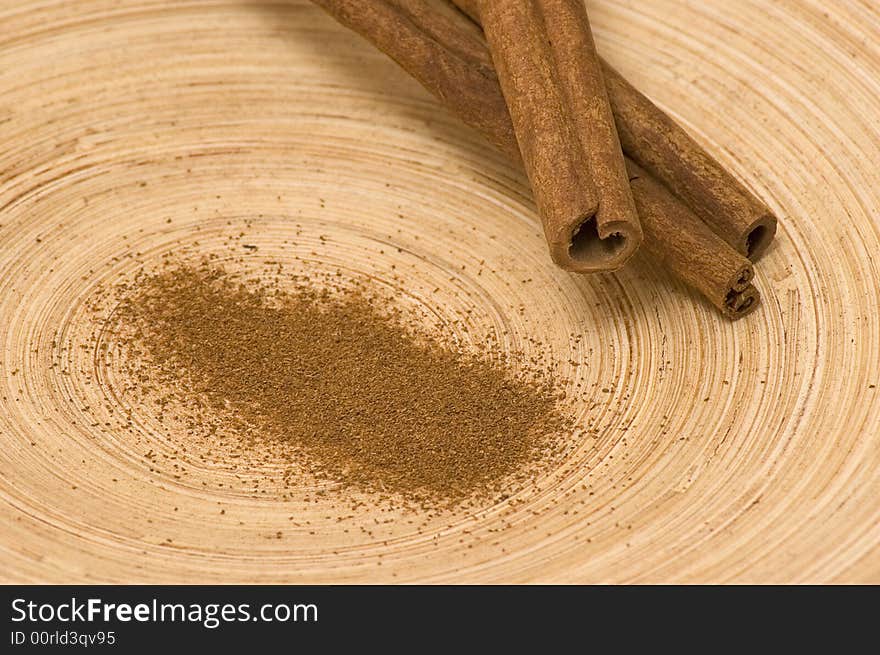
745,452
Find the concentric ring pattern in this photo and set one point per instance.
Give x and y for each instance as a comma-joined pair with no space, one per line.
712,451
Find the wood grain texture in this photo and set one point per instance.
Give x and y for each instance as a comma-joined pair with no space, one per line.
745,452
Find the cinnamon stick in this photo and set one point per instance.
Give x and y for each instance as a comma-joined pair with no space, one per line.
449,57
659,144
696,255
552,81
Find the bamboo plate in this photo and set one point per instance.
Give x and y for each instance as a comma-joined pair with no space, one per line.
746,452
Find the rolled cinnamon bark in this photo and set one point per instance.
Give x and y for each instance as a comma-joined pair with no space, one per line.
660,145
697,255
552,81
450,59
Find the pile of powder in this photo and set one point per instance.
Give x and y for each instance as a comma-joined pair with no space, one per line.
363,398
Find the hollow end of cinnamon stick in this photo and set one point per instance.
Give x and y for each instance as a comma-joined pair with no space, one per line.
588,251
742,297
758,237
742,302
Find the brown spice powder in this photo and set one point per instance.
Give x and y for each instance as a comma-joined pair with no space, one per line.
361,396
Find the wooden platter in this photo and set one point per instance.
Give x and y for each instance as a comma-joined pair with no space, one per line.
722,452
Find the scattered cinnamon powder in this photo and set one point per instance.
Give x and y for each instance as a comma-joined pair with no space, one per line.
362,396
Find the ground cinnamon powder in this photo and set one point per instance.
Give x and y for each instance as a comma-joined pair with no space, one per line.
360,394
